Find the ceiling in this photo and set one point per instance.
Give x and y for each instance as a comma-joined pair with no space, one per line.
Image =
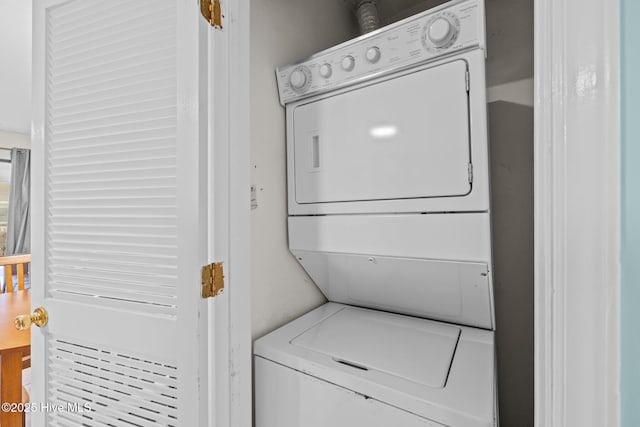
509,34
15,72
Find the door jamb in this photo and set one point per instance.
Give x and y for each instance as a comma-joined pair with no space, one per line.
229,315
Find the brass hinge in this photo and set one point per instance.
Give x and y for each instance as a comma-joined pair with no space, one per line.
212,12
212,280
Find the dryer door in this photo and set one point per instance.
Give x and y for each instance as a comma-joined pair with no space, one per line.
402,138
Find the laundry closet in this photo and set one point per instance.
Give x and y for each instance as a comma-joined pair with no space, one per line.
425,251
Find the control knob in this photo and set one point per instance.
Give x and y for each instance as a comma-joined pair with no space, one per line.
300,79
297,79
348,63
325,70
373,54
441,31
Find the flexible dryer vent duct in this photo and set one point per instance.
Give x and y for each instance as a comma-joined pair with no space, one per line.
367,14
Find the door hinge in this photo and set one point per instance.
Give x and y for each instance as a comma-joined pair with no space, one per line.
212,12
466,80
470,170
212,280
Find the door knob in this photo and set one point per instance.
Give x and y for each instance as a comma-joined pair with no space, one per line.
40,317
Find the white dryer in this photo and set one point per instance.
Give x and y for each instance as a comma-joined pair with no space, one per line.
388,200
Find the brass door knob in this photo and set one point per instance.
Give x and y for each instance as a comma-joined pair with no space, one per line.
40,317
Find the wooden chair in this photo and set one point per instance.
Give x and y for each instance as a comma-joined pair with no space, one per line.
19,261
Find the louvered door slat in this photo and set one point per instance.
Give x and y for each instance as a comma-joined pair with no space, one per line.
157,166
112,154
102,220
74,11
78,254
159,282
117,291
114,35
103,140
118,118
138,302
161,177
68,420
62,351
92,376
117,69
79,374
111,193
144,229
105,398
76,60
128,283
149,373
168,212
120,286
96,21
117,203
82,80
106,97
107,195
136,106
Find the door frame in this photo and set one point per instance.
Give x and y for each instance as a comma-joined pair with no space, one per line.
229,345
577,211
577,279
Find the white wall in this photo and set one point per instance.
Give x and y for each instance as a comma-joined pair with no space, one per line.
15,68
510,98
517,92
281,32
14,139
511,152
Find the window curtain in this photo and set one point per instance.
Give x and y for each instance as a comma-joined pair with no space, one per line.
19,219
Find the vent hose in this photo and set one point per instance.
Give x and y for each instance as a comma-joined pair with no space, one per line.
367,14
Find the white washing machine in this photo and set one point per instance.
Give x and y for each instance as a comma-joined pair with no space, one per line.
388,200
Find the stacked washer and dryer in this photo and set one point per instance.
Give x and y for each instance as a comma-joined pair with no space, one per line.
388,202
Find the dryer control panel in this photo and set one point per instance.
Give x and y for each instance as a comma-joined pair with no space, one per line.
430,35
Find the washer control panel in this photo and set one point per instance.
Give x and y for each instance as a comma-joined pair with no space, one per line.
427,36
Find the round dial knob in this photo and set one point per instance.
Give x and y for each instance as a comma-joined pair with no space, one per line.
325,71
441,31
373,55
297,79
348,63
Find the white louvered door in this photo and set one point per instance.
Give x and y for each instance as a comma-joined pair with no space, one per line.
117,202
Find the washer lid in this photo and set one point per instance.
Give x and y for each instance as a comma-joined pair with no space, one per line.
413,349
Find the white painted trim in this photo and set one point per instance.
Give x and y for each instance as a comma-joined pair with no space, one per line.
230,368
241,377
38,200
576,213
